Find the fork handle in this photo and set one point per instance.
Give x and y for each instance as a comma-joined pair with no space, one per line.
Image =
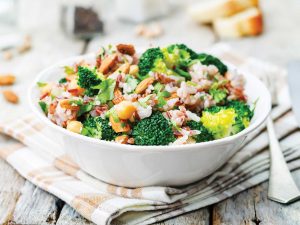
282,187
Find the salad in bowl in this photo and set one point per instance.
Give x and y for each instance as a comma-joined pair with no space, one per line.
168,95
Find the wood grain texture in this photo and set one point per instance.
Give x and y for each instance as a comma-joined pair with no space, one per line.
278,44
253,207
10,185
36,206
199,217
69,216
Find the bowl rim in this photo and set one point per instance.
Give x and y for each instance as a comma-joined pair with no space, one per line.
155,148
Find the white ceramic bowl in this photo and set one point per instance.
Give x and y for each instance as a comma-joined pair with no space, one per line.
136,166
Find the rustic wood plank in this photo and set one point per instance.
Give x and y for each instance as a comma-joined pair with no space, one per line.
10,185
199,217
36,206
69,216
253,207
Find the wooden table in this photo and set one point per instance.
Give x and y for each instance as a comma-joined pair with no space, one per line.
23,203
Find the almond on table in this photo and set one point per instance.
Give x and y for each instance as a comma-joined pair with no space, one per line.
11,96
7,79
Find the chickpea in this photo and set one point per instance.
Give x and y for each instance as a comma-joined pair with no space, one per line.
125,110
75,126
133,70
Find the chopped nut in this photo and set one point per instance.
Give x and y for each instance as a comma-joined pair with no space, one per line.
143,85
122,139
7,55
124,68
134,70
126,49
26,46
65,104
108,63
149,31
118,96
130,141
11,96
8,79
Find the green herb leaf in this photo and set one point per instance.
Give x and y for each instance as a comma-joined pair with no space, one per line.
84,109
69,70
43,106
106,90
41,84
143,101
158,87
62,80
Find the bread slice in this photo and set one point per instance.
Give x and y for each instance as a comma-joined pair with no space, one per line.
209,10
246,23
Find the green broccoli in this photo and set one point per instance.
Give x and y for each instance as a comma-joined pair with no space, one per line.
244,115
87,79
184,51
204,135
178,57
148,60
99,128
207,59
223,121
153,130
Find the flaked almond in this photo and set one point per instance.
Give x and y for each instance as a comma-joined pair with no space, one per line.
7,79
11,96
65,104
108,63
126,49
143,85
122,139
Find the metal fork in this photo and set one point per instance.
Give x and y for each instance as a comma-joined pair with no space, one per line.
282,187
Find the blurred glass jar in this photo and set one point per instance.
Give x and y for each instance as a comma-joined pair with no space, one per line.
81,19
8,14
141,10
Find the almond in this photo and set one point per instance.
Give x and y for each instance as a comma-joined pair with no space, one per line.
118,96
65,104
11,96
8,79
122,139
126,49
143,85
108,63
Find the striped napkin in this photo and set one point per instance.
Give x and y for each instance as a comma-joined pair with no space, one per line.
43,161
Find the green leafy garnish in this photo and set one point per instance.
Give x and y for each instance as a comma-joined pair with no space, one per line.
69,70
106,90
43,106
84,109
41,84
62,80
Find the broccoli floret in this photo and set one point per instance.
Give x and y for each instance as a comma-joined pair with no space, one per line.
184,51
99,128
244,115
207,59
204,135
223,121
87,79
153,130
148,60
177,57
